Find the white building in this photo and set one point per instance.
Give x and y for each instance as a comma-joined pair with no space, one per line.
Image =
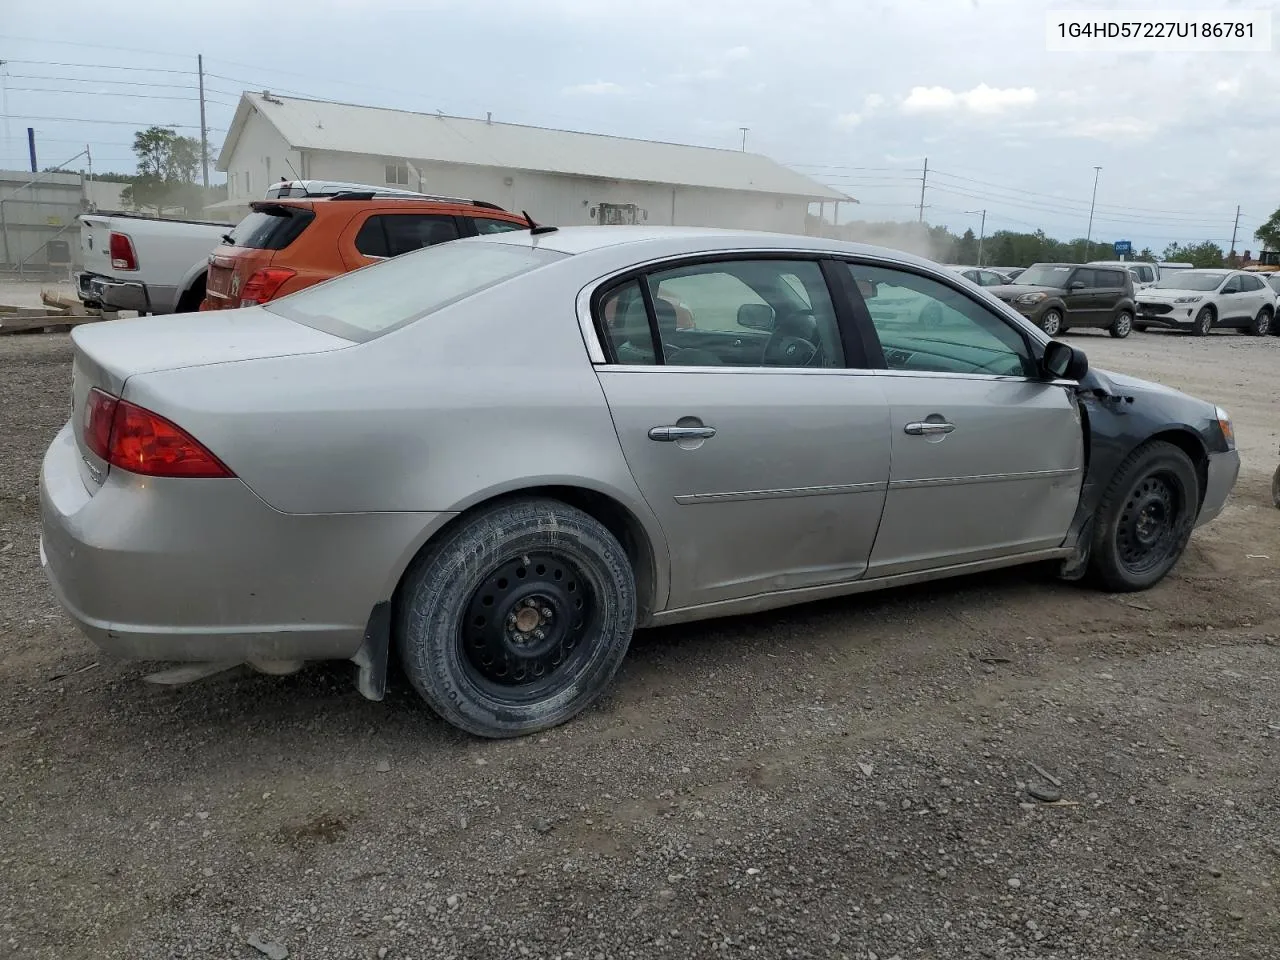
559,177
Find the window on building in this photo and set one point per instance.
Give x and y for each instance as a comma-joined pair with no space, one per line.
397,174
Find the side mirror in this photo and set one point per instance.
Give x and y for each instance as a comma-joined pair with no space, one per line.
1064,362
756,316
1075,285
869,289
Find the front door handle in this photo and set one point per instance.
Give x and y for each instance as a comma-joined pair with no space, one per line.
928,428
674,433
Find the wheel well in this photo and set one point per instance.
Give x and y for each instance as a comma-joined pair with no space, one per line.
1194,448
193,295
616,518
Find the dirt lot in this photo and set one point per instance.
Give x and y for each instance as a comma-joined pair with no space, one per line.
837,780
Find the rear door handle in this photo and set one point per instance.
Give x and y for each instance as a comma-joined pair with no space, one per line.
673,433
927,428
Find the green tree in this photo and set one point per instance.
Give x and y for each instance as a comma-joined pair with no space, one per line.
167,168
1206,253
1269,232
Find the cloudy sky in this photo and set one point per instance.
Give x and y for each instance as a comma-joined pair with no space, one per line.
856,93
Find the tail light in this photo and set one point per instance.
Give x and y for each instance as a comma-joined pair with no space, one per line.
122,254
132,438
263,284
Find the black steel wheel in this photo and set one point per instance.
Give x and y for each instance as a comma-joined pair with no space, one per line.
524,632
516,619
1145,518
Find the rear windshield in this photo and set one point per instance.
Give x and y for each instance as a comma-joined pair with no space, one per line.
376,299
271,228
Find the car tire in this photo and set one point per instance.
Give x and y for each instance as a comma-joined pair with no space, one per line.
1275,488
1051,322
1145,517
517,618
1261,325
1122,325
1203,322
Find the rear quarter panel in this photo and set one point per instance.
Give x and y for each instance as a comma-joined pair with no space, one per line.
482,397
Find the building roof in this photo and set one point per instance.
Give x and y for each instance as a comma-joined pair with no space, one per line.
401,134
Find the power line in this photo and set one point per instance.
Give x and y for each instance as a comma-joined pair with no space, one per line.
117,93
100,66
125,123
1111,218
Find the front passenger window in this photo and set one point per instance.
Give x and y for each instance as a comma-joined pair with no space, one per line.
927,326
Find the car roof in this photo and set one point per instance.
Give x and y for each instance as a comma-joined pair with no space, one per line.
686,240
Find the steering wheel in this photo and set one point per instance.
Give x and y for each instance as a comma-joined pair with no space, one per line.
793,342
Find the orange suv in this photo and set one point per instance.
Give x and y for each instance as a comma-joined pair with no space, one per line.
291,242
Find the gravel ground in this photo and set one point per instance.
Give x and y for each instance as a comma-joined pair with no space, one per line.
850,779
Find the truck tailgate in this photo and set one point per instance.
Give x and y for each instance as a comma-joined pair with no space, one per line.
95,244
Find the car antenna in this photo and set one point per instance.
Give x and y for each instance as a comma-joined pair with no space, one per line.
537,228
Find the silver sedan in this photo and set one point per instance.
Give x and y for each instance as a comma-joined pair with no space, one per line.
499,456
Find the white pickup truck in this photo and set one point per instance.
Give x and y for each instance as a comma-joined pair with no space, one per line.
147,264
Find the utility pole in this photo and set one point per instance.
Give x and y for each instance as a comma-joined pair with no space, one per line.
744,138
1088,237
982,232
924,178
1232,255
204,131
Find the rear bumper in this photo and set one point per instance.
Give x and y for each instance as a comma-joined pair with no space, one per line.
120,294
203,570
1224,469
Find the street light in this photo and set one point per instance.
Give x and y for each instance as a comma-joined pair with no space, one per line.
982,232
1088,237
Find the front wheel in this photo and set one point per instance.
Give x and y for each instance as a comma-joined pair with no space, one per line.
1121,325
518,618
1051,321
1261,325
1145,518
1203,322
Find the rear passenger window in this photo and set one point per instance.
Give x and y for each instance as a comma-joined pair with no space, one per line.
625,323
486,225
741,313
391,234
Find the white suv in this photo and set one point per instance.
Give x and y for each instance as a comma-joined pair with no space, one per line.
1199,300
1144,273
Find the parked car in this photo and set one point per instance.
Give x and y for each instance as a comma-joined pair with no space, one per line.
1199,300
982,276
455,456
1144,273
1010,272
1059,296
288,244
148,264
1273,281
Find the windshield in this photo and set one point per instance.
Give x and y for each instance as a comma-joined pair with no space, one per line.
1190,280
376,299
1044,275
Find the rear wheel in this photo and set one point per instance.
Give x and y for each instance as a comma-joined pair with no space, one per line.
1203,322
518,618
1121,325
1051,321
1145,518
1261,325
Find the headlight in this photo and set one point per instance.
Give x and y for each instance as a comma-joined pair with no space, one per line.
1228,431
1188,299
1031,298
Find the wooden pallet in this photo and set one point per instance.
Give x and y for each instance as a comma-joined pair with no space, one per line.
49,323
